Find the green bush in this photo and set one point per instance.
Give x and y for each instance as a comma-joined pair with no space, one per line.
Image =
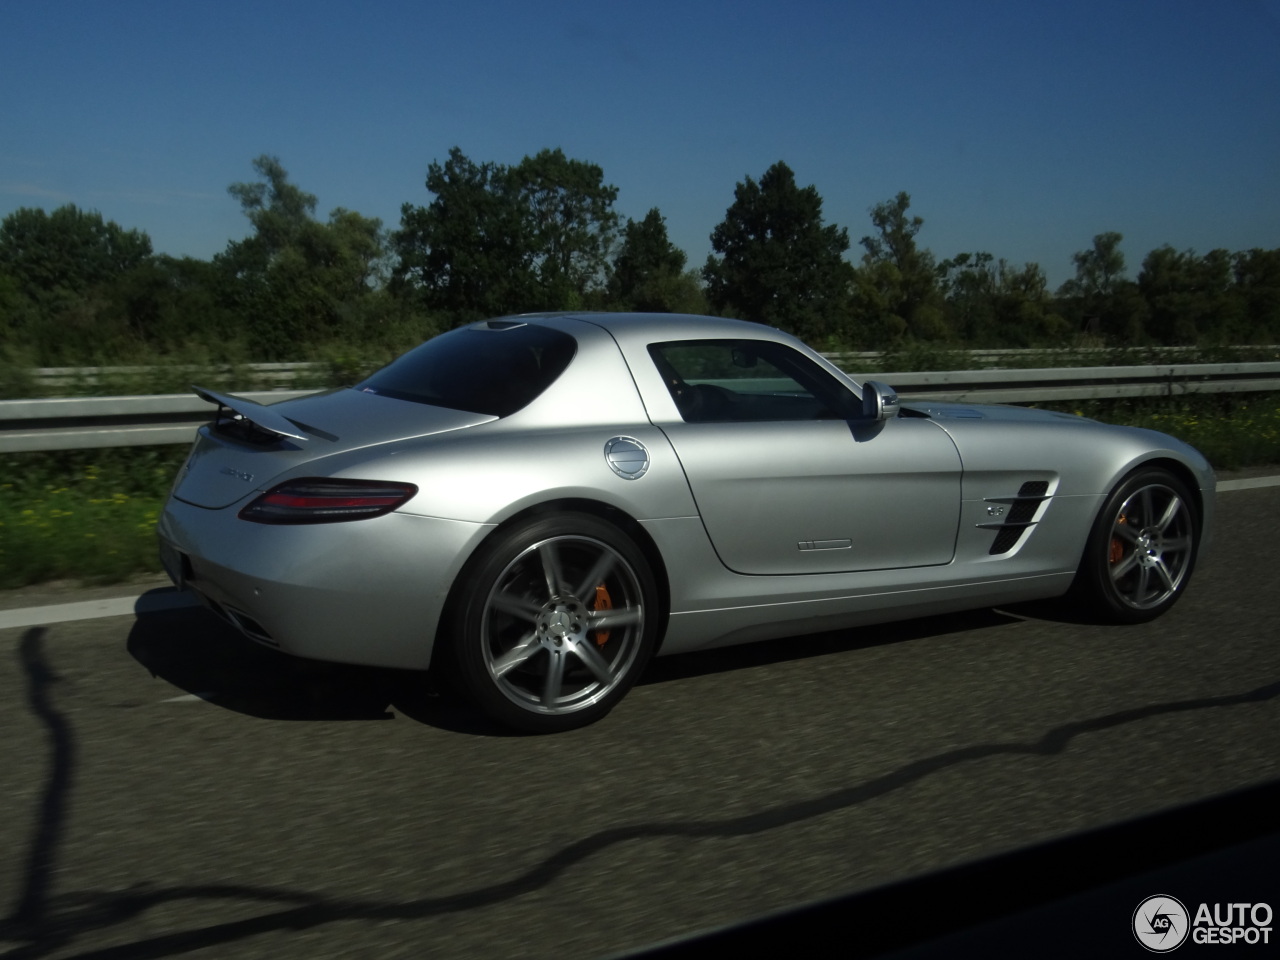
83,515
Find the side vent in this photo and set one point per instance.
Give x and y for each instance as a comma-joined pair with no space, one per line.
1018,517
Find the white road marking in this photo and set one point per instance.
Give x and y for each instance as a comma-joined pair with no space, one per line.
190,697
93,609
1253,483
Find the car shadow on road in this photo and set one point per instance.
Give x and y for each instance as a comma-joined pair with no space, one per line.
196,652
806,646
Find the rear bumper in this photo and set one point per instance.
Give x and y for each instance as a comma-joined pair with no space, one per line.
368,592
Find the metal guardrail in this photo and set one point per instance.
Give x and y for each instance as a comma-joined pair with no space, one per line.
1085,383
994,357
87,422
277,373
79,423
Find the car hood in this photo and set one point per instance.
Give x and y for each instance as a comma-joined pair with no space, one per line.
222,469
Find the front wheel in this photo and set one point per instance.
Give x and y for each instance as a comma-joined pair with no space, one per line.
1142,548
556,618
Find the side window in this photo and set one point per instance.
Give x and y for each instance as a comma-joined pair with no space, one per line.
725,381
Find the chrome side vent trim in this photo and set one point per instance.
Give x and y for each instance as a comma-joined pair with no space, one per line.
1017,518
825,545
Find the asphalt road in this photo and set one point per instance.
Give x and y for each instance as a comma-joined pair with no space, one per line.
171,790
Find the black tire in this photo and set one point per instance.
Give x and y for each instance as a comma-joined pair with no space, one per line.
555,620
1142,549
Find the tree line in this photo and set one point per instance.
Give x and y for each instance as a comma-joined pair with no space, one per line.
544,234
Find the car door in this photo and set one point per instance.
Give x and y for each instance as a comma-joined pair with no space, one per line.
785,484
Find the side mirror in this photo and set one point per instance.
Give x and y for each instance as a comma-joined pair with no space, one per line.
879,401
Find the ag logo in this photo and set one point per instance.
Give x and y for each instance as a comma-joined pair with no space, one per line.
1161,924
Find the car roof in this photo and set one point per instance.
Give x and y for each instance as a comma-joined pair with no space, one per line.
656,327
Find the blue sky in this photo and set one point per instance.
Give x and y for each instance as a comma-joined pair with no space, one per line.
1018,128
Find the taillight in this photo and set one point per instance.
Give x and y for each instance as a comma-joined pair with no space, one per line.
318,500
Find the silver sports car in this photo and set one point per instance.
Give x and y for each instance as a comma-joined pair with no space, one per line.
540,503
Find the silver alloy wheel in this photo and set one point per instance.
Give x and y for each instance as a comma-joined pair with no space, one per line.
1151,547
562,625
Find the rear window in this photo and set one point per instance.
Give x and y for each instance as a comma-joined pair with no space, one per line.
495,368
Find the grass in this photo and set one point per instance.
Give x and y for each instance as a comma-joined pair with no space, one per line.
82,515
90,515
1231,430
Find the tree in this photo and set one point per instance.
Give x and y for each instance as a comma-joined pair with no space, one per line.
59,275
969,283
466,252
279,211
990,302
69,249
1025,310
1257,289
359,248
170,304
1094,289
1188,298
296,279
1100,269
897,285
498,239
571,223
779,264
1100,297
347,254
648,272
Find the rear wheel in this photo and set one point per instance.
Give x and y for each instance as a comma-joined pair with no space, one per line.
1142,549
556,619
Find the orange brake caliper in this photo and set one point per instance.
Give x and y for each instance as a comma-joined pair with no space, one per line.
602,602
1116,554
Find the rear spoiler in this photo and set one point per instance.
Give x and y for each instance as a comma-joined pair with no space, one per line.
258,415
